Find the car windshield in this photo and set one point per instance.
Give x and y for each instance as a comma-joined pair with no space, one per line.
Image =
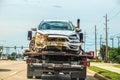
55,25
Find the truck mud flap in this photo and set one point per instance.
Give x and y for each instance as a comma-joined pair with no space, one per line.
56,77
79,74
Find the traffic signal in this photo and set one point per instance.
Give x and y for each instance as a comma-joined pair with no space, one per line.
21,47
14,47
1,48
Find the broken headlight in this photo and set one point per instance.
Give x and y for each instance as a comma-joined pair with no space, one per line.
73,37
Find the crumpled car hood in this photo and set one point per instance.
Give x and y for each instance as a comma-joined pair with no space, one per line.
57,32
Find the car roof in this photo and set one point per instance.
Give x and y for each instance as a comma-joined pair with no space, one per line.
55,20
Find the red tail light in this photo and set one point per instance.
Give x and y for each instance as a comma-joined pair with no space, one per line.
92,53
26,51
86,63
30,60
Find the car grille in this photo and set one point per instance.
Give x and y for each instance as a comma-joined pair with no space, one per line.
57,39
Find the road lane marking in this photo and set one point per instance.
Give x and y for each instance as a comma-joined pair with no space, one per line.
13,73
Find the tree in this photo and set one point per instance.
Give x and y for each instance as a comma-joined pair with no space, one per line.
102,52
14,55
118,59
0,54
1,49
114,55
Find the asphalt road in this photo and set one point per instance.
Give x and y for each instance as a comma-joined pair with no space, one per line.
16,70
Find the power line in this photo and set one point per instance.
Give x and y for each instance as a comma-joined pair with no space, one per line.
115,15
115,35
109,12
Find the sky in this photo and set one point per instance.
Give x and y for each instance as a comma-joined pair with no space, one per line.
19,16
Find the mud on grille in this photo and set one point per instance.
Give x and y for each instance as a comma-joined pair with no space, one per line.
57,39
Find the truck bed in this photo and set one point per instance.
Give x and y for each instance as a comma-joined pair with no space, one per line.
56,54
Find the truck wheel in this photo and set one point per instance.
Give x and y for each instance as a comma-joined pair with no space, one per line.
81,78
38,77
28,71
29,77
73,78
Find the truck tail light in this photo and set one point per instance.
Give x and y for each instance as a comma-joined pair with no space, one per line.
26,51
30,60
92,53
86,63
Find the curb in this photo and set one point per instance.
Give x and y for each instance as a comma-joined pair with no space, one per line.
98,76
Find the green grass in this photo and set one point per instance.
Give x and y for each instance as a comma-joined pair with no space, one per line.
106,73
118,66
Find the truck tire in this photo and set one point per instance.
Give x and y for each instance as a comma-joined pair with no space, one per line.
29,77
37,77
73,78
77,79
81,78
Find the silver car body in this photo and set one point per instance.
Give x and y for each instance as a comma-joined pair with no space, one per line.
71,36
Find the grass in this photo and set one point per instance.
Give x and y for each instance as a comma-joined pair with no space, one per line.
118,66
106,73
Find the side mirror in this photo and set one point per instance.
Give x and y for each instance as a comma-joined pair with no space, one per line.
81,37
29,35
78,23
78,30
33,29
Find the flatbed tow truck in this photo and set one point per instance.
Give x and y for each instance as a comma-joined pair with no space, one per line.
50,62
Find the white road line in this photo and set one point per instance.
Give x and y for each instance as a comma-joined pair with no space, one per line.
13,73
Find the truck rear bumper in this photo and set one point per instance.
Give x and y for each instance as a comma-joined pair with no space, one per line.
50,67
74,71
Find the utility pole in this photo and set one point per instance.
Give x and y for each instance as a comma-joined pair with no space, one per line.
84,40
112,41
106,20
100,41
1,51
2,47
118,40
95,42
7,52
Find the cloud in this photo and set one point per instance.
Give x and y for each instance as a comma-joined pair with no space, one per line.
57,6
